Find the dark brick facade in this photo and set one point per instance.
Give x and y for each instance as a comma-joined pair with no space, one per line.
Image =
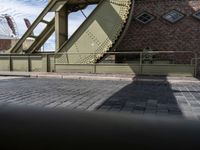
160,34
5,44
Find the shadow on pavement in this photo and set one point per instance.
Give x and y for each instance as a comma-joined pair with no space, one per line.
145,95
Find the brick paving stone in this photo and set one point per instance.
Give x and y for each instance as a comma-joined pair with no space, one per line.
162,111
150,111
65,104
138,112
195,105
162,106
140,106
129,106
137,97
185,107
52,105
189,114
196,110
105,108
152,103
127,109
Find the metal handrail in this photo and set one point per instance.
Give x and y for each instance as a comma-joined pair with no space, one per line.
140,60
195,59
111,53
198,58
128,52
139,52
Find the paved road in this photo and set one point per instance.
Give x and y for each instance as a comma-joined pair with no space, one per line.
157,97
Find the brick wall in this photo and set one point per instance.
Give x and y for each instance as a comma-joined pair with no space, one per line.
161,35
5,44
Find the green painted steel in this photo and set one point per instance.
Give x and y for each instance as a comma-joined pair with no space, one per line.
171,70
5,63
54,5
46,63
42,38
174,69
18,46
27,63
78,2
98,34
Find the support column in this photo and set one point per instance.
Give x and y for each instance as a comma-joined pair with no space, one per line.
61,26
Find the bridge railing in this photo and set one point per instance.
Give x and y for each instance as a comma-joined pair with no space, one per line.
175,57
151,62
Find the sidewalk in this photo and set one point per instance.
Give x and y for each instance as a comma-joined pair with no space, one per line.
79,76
115,77
146,95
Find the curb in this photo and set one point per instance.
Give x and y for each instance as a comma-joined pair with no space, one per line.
100,77
70,76
15,74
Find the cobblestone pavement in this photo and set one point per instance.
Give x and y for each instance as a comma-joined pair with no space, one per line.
138,97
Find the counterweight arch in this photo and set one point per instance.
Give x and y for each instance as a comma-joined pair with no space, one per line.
98,34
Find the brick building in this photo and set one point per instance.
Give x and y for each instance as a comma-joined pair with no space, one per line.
164,25
5,44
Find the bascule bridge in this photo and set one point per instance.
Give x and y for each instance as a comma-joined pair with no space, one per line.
108,41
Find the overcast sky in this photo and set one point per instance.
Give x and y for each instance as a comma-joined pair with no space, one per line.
30,9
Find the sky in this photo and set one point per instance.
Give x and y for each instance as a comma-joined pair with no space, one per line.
30,9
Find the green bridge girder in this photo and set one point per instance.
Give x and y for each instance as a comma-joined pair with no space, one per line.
97,37
98,34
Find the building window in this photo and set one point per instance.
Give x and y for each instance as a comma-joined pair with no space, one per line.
197,15
144,18
173,16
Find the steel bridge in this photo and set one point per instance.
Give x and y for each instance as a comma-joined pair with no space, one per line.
96,39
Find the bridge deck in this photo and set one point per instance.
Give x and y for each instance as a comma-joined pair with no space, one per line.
147,96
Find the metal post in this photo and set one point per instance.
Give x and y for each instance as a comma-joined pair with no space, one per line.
196,65
47,57
10,63
54,63
29,64
61,26
141,55
94,63
44,63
